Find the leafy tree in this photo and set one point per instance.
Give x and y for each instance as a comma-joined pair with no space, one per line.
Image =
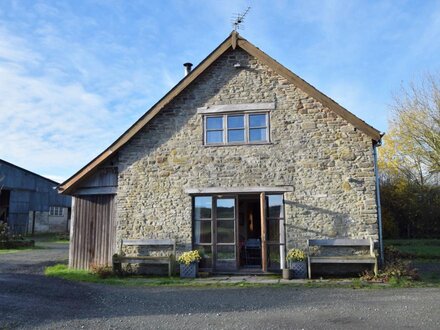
409,162
412,147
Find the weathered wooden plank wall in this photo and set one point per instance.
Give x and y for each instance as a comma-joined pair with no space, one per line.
93,231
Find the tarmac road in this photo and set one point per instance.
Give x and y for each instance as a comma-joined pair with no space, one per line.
30,300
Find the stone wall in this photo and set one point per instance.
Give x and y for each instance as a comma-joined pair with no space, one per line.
327,161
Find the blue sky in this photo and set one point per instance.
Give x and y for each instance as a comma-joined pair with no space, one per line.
74,75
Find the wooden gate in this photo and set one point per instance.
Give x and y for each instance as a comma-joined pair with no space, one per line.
93,231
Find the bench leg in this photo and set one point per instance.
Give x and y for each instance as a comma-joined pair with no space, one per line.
375,268
117,268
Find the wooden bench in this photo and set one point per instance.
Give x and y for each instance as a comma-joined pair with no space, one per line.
169,259
342,259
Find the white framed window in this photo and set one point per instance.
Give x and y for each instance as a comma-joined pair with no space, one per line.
56,211
236,128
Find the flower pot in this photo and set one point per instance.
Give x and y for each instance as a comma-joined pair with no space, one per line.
299,269
189,271
287,274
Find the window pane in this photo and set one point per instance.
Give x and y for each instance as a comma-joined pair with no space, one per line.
214,137
236,121
202,231
273,253
236,135
257,134
273,230
257,120
275,206
214,122
206,254
225,231
226,208
202,207
225,252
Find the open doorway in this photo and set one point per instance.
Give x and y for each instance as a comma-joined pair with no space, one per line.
249,230
239,231
5,196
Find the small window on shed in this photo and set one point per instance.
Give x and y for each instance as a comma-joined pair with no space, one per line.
56,211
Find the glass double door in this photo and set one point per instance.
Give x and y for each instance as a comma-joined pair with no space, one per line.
215,231
217,224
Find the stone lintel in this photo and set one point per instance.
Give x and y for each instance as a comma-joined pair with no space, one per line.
230,190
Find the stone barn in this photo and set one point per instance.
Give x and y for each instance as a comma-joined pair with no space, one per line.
241,160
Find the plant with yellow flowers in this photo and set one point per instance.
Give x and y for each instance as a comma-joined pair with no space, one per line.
189,257
296,255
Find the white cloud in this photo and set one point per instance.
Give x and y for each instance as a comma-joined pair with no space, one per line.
47,124
66,93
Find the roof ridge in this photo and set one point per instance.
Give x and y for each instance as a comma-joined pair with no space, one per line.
233,40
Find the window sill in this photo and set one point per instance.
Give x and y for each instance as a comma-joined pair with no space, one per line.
237,144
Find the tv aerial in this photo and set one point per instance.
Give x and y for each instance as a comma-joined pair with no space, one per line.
238,20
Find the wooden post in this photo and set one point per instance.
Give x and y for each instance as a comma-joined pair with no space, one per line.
72,244
33,223
263,232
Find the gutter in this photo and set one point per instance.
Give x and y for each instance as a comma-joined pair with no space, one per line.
379,209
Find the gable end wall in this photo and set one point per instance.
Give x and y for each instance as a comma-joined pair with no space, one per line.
327,161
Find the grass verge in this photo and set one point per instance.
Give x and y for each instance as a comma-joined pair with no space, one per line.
62,271
50,237
21,249
417,248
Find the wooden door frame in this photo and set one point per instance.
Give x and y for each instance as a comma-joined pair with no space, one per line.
215,197
263,220
263,224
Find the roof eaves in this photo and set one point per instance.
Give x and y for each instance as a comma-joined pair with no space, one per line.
310,90
67,186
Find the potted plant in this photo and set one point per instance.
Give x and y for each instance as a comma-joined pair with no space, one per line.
189,264
296,260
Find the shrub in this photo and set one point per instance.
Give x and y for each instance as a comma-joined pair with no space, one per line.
296,255
102,271
189,257
4,231
396,269
63,237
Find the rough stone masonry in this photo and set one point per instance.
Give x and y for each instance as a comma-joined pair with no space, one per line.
327,160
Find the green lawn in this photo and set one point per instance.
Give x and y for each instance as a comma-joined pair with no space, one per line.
417,248
52,238
7,251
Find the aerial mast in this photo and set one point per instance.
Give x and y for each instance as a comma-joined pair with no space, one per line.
238,20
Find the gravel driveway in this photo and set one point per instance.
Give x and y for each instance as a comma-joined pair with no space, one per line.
30,300
34,261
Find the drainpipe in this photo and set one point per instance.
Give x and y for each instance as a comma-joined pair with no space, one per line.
379,209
